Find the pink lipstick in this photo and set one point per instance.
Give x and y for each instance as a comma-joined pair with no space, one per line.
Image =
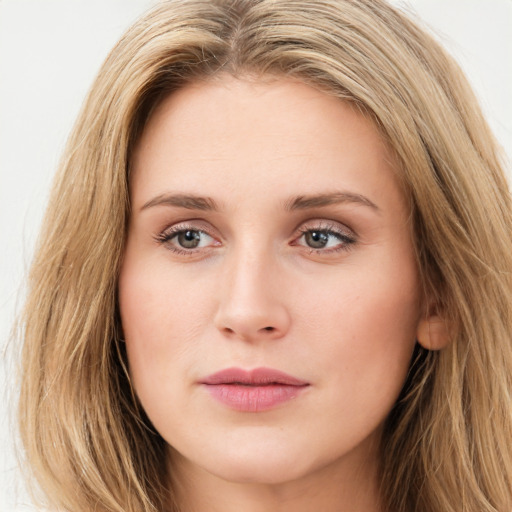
255,390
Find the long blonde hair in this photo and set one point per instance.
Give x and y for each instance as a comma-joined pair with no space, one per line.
447,445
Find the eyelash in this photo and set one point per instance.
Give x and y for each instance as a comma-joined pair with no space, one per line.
345,239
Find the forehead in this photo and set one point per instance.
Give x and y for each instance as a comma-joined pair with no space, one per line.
231,137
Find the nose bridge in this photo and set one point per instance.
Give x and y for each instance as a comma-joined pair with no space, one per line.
251,306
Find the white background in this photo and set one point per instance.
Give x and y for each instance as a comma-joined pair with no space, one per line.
50,51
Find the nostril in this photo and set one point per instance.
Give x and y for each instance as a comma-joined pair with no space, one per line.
269,328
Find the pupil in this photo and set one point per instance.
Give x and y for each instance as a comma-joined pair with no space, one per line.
189,239
317,239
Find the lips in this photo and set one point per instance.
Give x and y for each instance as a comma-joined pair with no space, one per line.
255,390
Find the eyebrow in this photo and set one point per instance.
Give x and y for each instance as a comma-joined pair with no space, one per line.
321,200
190,202
302,202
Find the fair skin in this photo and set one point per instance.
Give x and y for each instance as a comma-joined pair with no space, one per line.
253,275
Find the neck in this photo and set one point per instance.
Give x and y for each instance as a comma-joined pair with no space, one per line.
338,487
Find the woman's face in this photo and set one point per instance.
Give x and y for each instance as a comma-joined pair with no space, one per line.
269,293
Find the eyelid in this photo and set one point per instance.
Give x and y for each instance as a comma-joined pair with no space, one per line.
326,225
189,224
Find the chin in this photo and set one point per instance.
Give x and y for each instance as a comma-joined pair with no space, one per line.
258,471
258,463
263,461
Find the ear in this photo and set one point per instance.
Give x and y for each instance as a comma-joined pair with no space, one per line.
433,332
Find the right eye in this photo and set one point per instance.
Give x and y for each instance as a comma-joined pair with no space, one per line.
191,239
186,240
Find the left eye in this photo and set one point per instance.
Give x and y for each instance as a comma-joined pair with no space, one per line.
324,239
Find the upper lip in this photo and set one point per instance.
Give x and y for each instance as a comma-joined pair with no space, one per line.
255,377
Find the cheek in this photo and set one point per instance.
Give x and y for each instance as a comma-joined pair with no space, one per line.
162,316
363,325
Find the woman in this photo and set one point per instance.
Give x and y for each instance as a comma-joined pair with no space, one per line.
274,273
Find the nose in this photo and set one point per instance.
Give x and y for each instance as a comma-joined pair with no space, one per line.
252,299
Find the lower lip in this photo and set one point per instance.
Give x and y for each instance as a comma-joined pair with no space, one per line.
253,398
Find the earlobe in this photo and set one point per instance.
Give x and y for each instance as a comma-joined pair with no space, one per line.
433,333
